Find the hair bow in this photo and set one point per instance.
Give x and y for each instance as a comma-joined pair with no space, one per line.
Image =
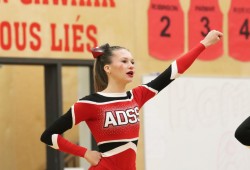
98,51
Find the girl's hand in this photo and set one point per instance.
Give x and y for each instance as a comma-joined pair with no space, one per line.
211,38
93,157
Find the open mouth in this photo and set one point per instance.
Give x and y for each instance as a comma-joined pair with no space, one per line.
130,73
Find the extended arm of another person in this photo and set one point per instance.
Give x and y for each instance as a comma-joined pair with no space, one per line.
242,133
181,64
52,136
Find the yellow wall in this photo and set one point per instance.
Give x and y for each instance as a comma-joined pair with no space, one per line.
22,117
21,87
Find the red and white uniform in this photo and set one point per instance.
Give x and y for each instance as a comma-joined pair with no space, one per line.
114,118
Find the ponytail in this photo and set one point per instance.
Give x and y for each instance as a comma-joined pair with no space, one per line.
102,57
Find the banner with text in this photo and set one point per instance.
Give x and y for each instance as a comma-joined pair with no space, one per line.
63,28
